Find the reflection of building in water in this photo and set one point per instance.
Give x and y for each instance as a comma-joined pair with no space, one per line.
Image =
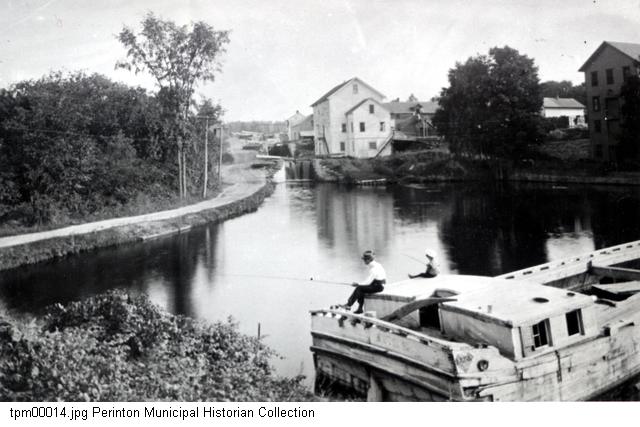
356,219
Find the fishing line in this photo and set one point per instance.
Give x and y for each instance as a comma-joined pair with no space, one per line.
297,279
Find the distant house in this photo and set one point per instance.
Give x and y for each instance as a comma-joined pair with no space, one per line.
413,118
351,120
303,130
564,107
291,123
605,71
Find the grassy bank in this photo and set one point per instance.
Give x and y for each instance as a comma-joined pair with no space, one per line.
114,347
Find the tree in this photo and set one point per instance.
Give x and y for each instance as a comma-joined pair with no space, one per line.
629,147
492,105
73,144
177,57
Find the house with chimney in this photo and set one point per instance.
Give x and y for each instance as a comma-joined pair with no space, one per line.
352,120
605,72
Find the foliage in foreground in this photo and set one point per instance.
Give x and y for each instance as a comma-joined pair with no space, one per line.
114,347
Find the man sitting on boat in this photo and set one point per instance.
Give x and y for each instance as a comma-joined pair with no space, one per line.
374,282
432,269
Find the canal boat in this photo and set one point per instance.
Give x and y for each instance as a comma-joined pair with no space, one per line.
472,338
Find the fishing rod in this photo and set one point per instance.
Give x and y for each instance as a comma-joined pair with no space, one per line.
415,259
297,279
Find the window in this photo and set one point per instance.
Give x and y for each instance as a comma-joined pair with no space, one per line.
626,73
361,126
355,89
540,334
381,126
595,103
342,146
373,145
344,127
594,78
574,322
597,126
598,152
371,109
609,73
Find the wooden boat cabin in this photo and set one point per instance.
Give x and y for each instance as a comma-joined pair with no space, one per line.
475,338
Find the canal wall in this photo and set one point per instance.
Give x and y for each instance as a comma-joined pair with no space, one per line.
12,256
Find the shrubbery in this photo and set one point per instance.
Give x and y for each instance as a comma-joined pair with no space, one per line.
114,347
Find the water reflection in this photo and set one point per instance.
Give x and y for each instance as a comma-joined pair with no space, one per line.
257,267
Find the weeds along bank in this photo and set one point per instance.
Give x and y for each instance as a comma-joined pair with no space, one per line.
433,166
115,347
14,256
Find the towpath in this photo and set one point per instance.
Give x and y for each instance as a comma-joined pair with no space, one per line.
240,180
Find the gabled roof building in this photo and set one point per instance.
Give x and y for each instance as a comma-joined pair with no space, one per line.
350,119
605,71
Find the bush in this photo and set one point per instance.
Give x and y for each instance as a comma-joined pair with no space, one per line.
115,347
227,158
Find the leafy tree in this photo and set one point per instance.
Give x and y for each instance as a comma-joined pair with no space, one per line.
73,145
492,105
629,147
177,57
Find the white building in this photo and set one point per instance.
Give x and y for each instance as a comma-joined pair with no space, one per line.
291,123
351,120
568,107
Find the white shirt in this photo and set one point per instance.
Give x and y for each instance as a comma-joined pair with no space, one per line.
376,272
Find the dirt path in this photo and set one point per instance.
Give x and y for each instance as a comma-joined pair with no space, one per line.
240,179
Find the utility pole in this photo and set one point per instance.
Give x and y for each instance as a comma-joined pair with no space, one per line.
206,155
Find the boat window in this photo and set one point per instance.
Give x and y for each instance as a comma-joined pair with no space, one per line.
429,317
574,322
541,334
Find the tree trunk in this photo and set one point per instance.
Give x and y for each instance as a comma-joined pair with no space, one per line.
206,158
184,172
180,174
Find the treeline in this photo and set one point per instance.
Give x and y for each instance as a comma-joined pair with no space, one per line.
257,126
75,145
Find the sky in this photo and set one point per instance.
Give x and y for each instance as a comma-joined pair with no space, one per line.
285,54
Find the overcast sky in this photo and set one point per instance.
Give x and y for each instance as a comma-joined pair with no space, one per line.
284,54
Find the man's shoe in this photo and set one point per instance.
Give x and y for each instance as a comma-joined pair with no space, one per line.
358,311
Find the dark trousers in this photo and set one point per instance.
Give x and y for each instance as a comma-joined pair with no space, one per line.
360,291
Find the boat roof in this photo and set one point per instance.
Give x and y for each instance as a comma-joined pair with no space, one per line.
507,302
412,289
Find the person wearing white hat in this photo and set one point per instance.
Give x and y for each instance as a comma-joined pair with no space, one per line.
431,267
374,282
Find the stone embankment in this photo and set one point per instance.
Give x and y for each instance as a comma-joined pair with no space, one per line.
247,190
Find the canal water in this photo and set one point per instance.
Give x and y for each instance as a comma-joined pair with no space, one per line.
258,268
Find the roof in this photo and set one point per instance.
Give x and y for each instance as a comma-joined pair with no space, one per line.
355,107
428,107
511,301
296,118
561,103
632,50
518,303
306,123
409,290
340,86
